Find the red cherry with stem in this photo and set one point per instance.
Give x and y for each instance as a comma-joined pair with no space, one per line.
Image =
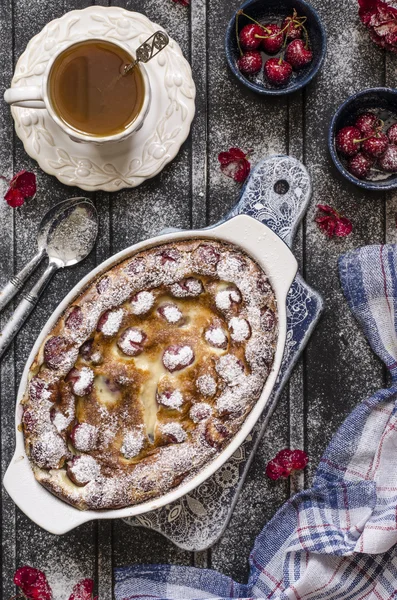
250,36
277,71
250,62
367,123
388,161
392,134
348,141
298,55
273,41
376,145
360,165
293,26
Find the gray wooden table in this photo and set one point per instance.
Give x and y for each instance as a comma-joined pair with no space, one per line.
338,368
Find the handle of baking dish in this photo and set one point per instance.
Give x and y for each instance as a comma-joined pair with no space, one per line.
277,193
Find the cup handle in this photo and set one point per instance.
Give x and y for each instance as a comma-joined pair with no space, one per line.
28,97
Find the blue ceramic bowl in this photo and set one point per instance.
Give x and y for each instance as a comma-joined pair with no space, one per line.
275,11
382,101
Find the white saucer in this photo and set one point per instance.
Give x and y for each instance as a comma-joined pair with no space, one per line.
109,167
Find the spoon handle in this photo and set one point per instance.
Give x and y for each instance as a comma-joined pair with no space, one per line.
16,282
24,308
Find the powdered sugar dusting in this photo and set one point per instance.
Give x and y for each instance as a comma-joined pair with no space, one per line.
84,468
112,324
175,431
133,443
171,313
85,437
225,298
206,385
171,400
176,358
239,329
216,336
142,303
200,412
230,369
82,384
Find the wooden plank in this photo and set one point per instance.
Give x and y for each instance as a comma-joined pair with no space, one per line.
341,369
7,383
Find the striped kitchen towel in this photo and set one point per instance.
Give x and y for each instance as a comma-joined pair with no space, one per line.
337,539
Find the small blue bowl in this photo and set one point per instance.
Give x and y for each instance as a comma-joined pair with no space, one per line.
275,11
382,101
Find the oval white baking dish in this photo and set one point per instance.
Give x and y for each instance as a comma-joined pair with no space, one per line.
278,262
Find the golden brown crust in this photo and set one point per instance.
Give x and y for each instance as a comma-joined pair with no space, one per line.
149,374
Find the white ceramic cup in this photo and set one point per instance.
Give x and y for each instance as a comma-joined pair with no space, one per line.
39,97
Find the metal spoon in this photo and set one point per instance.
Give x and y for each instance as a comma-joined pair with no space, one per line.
17,281
70,238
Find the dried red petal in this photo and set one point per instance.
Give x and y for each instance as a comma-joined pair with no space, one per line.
285,462
21,186
381,20
331,222
234,164
82,590
25,182
14,198
33,583
182,2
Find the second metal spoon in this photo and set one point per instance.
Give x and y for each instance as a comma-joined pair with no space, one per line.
70,238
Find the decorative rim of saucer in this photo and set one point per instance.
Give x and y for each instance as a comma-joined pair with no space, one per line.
111,166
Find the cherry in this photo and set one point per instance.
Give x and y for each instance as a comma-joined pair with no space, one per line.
216,336
392,134
207,255
348,140
360,165
277,71
171,313
189,287
54,351
200,411
274,39
131,341
375,146
84,437
268,320
250,62
170,255
215,434
367,123
74,319
388,161
82,469
285,462
250,36
136,266
177,357
240,329
298,55
82,381
293,26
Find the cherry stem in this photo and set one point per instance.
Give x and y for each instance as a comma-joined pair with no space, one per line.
237,36
241,12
